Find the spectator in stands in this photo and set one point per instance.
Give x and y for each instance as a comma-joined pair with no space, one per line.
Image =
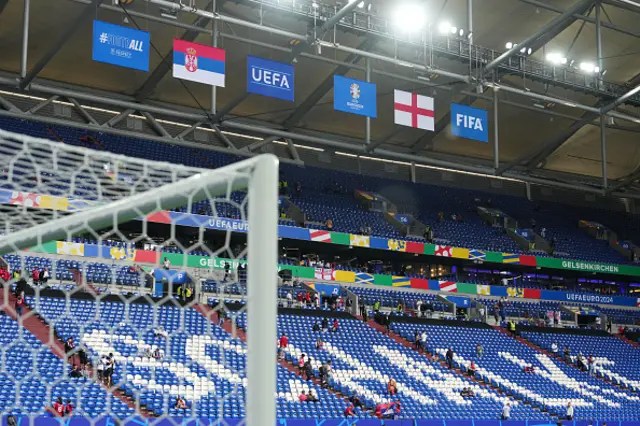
69,350
307,299
180,404
75,372
102,363
392,387
35,275
301,362
556,319
440,216
496,313
109,368
435,358
418,308
506,411
325,325
554,349
472,369
609,325
19,303
591,361
400,307
166,264
350,411
316,327
303,397
543,233
158,354
227,271
44,276
467,393
308,369
329,224
289,299
529,369
312,397
58,407
581,362
569,411
300,298
423,341
160,332
356,402
479,350
567,355
324,368
68,409
449,357
319,344
335,326
282,345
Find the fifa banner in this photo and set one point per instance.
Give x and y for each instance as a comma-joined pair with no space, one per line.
269,78
469,123
199,63
121,46
354,96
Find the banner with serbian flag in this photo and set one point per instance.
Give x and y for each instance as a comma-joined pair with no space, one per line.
199,63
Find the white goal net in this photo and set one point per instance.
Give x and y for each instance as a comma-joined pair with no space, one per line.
122,283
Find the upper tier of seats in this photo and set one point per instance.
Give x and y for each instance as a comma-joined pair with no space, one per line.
327,194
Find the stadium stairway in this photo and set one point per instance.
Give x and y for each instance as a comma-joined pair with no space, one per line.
408,344
228,326
624,339
540,349
36,325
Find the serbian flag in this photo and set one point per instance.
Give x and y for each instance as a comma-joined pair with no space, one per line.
413,110
199,63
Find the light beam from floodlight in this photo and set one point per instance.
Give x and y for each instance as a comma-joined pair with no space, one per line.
410,17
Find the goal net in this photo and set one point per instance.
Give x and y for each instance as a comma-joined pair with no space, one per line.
123,280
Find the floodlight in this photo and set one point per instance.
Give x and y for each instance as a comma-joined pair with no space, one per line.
461,32
314,5
443,28
454,30
556,58
524,49
361,5
588,67
509,45
410,17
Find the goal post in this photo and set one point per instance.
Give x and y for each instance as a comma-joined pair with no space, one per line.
51,192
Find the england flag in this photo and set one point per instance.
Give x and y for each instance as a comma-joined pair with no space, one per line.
413,110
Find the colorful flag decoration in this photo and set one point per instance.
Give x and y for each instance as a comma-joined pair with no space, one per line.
483,289
397,245
199,63
444,251
359,240
364,278
25,199
413,110
324,274
449,286
510,258
69,248
318,235
515,292
460,253
477,254
398,281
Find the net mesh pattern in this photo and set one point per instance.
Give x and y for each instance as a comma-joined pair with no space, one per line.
129,311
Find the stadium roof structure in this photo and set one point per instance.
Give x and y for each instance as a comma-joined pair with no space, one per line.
560,80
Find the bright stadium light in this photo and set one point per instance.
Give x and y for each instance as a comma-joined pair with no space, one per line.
509,45
588,67
556,58
361,5
410,17
454,30
443,28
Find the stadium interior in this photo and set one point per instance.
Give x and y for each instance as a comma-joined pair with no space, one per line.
430,272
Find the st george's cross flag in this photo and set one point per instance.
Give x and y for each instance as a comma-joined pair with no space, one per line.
413,110
199,63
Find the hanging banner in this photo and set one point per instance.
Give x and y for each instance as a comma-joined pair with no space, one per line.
121,46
